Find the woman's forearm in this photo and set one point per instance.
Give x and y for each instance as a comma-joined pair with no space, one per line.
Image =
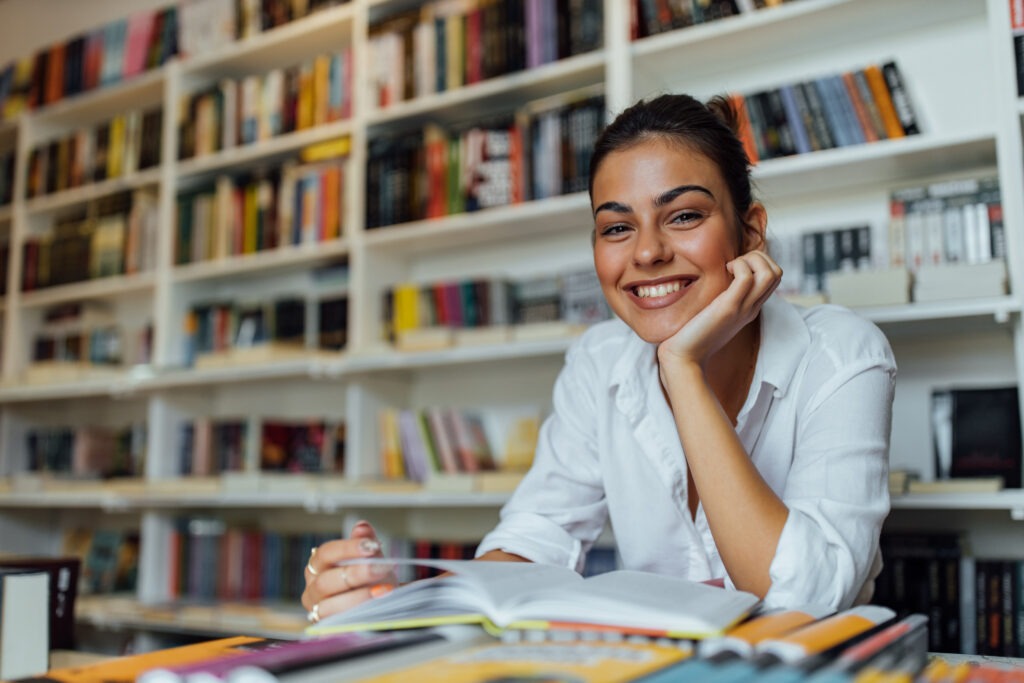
745,516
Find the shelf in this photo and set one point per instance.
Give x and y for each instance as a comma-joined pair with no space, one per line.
80,195
280,47
1011,500
112,384
268,149
100,288
881,163
456,355
726,47
501,94
998,308
277,620
533,218
291,257
142,90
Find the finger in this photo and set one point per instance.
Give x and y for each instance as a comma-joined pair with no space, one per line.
333,552
349,599
346,579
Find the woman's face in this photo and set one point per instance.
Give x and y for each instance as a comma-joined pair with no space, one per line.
664,229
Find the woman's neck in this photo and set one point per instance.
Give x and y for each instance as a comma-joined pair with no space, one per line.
730,370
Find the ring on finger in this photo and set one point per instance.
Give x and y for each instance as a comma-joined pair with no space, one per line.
309,563
313,616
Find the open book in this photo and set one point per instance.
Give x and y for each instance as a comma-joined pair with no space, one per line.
516,595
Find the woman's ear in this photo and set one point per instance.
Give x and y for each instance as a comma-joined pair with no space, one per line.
755,224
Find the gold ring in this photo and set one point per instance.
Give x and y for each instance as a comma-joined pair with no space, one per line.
309,564
314,614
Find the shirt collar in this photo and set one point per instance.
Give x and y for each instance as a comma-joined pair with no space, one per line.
784,342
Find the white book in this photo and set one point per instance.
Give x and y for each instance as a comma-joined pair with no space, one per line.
24,623
510,595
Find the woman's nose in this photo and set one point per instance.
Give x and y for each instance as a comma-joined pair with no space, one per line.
651,247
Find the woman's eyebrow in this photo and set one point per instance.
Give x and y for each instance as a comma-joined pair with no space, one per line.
667,196
617,207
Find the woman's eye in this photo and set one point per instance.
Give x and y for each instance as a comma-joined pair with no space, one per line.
686,217
613,230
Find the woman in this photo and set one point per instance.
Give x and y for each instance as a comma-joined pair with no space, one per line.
725,434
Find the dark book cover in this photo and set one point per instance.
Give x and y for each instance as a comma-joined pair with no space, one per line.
63,572
986,436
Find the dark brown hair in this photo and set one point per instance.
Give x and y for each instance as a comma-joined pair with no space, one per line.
710,129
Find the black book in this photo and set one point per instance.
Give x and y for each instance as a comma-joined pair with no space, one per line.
900,98
986,437
63,572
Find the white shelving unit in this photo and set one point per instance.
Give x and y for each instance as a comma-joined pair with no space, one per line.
958,64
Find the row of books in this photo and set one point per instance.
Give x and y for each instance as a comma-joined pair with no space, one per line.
542,150
126,144
651,17
951,221
243,214
206,26
483,309
104,56
834,110
115,235
255,108
420,444
215,328
87,452
211,446
147,39
975,605
976,433
445,45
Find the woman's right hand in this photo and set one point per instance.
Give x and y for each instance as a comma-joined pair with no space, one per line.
331,589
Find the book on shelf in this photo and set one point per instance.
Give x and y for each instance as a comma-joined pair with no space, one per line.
24,621
976,433
956,485
63,589
501,596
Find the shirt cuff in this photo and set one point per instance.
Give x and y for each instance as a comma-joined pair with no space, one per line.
805,570
536,538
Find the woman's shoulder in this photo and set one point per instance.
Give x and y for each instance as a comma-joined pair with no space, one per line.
844,334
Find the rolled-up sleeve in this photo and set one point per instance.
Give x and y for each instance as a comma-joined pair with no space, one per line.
559,509
837,490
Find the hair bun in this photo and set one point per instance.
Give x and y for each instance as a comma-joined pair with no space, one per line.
725,111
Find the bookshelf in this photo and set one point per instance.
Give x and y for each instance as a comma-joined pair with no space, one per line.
950,52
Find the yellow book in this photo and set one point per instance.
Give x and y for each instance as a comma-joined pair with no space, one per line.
321,89
250,222
526,596
304,115
115,150
594,662
328,149
392,463
406,313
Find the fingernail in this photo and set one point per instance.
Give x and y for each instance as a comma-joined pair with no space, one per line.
381,589
369,546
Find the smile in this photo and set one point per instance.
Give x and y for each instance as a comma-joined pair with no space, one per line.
660,293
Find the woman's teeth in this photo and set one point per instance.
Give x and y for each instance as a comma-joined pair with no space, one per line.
658,290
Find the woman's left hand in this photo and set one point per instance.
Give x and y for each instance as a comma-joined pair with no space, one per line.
755,277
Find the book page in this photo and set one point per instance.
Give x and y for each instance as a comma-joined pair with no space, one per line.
474,588
640,600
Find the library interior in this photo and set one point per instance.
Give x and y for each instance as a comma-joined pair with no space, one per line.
270,268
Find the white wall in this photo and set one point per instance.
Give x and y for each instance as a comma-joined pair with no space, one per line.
27,25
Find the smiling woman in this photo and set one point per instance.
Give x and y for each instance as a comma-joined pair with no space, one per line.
725,434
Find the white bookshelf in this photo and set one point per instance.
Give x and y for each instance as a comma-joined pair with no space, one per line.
950,52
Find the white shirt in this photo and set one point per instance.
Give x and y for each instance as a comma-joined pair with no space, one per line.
816,424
